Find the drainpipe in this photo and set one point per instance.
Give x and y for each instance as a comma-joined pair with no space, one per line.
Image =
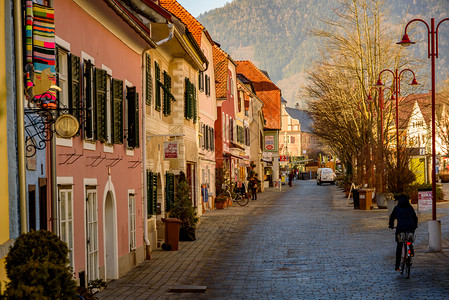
20,114
170,34
144,163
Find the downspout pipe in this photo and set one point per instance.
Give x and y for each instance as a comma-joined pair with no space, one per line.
144,161
170,34
20,113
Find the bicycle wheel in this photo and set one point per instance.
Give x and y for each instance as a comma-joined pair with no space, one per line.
242,201
403,258
408,264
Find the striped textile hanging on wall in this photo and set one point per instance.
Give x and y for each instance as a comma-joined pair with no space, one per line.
43,38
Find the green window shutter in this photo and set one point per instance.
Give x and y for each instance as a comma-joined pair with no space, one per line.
167,94
117,111
194,105
157,84
89,104
101,77
148,79
151,193
186,97
169,190
132,98
74,86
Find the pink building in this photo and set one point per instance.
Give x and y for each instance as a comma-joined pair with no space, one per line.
99,171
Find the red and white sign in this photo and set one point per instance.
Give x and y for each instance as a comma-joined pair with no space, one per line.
269,142
170,150
283,158
424,200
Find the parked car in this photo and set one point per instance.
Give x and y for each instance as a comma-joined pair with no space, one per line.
325,175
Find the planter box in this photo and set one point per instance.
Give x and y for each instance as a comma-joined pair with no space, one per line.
221,205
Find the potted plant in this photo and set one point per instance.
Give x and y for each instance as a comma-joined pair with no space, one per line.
38,268
184,211
221,202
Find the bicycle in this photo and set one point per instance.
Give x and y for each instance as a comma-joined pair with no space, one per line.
407,239
236,197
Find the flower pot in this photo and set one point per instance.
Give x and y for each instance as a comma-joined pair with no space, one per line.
220,205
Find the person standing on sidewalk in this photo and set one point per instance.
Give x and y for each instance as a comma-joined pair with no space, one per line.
407,221
254,184
290,178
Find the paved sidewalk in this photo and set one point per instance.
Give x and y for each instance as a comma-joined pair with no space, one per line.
248,253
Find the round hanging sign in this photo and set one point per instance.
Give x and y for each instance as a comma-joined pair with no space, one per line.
66,126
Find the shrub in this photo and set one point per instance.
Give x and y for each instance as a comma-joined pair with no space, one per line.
182,206
38,268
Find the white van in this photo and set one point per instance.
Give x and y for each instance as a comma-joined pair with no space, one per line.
325,175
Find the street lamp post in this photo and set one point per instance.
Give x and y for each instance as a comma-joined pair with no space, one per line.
432,53
397,91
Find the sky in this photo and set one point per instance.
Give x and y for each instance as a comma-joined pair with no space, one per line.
197,7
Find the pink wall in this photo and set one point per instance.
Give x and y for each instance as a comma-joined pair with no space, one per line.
85,34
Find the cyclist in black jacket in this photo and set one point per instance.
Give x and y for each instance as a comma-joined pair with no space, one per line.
407,221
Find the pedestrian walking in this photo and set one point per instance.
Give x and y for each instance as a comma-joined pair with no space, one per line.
290,178
254,184
407,221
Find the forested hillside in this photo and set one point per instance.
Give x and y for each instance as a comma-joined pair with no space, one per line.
275,34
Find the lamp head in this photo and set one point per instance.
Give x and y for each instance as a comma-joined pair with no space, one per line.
414,82
392,98
369,97
405,42
379,83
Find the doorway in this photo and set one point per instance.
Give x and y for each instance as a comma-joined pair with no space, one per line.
110,237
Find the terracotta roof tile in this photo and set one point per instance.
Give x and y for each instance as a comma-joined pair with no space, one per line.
266,91
221,71
195,27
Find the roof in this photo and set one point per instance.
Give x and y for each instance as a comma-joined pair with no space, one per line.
303,118
424,101
194,26
221,71
266,91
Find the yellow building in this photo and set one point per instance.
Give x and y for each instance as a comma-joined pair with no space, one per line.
4,198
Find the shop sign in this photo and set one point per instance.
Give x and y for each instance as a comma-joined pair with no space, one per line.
424,200
267,156
170,150
269,142
283,158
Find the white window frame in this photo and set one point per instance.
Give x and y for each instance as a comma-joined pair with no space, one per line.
132,221
65,217
92,231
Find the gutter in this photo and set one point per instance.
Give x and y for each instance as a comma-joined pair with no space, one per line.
20,114
132,21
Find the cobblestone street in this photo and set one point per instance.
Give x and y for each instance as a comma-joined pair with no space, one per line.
304,242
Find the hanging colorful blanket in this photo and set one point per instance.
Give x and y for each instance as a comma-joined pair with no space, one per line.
44,50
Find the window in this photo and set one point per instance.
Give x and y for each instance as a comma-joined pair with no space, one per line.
231,129
117,111
132,98
190,109
66,219
151,193
148,80
201,82
207,85
132,222
109,117
62,77
88,90
101,78
169,190
157,84
92,233
168,97
74,97
292,139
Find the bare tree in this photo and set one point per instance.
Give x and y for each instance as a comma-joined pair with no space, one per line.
356,47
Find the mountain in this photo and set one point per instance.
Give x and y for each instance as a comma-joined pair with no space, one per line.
274,33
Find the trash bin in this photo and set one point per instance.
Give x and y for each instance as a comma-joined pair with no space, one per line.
356,199
172,233
366,198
